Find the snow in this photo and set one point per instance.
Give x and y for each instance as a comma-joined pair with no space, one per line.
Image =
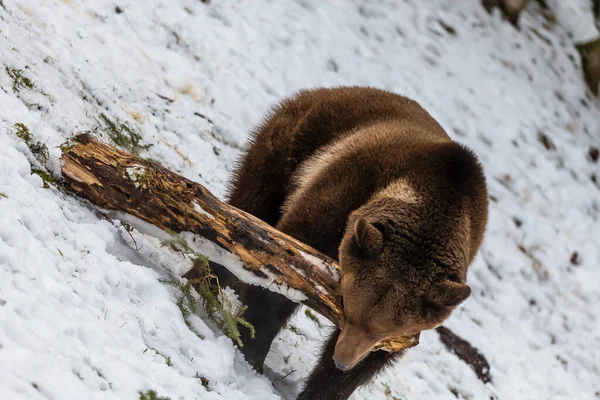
325,268
202,211
577,18
82,311
135,173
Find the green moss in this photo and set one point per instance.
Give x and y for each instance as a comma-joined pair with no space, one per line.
204,382
167,358
22,132
20,81
46,177
88,94
48,96
294,329
313,317
121,134
447,27
151,395
39,149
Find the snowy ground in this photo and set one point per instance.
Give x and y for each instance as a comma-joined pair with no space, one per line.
82,313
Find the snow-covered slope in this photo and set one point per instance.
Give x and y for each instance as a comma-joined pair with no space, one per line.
82,312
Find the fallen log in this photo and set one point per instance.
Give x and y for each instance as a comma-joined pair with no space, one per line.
118,181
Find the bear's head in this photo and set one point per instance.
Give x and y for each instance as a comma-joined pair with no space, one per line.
394,281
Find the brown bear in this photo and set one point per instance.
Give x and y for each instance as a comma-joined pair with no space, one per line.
369,178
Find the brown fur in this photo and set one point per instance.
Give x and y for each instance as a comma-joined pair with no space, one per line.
371,179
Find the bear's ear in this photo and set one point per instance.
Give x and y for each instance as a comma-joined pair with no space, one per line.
368,237
449,293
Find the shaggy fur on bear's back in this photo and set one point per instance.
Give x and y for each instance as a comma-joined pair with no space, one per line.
372,180
297,127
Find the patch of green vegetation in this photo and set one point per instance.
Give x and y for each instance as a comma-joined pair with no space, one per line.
48,96
20,81
187,305
121,134
151,395
447,27
167,358
313,317
46,177
22,132
217,305
294,329
87,93
2,194
204,382
39,149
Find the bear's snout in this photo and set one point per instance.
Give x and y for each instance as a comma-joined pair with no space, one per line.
352,346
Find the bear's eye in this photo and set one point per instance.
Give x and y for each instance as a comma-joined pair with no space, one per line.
380,227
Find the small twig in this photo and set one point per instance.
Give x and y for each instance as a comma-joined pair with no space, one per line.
286,375
197,114
128,228
165,98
